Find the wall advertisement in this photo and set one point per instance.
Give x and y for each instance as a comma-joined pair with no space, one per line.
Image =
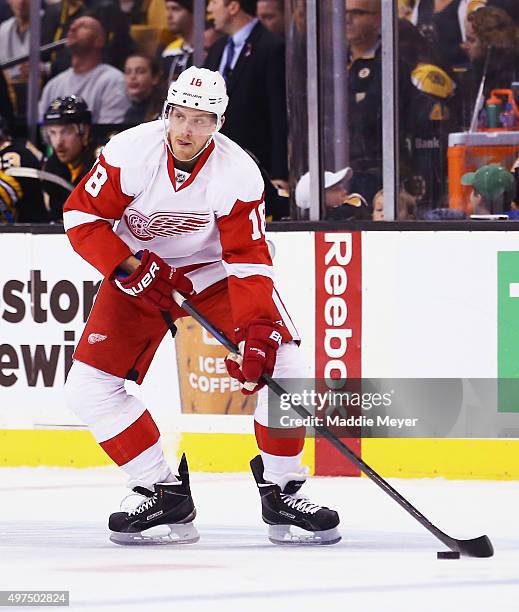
372,304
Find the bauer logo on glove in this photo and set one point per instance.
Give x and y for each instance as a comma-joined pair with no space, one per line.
154,282
142,284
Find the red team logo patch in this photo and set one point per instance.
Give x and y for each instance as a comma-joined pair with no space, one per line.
166,224
93,338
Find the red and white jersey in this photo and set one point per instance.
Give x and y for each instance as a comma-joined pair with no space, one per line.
210,222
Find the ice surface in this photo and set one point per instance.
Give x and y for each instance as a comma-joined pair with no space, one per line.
53,535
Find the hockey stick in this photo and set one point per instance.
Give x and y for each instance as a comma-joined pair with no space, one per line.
477,547
41,175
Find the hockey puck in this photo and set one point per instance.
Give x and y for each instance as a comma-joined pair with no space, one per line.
448,554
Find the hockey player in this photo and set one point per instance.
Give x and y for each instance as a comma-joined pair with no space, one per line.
21,199
67,123
190,209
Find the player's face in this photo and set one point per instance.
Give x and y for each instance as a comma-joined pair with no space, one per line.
66,141
189,131
138,78
179,19
271,16
220,13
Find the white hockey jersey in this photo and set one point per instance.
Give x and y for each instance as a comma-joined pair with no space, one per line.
210,223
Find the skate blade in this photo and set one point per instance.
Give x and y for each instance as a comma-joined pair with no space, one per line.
281,535
179,533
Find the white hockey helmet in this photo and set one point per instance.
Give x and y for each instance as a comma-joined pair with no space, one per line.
201,89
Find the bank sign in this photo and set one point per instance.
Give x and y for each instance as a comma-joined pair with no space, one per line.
508,331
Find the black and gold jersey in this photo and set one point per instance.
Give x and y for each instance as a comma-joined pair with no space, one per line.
29,206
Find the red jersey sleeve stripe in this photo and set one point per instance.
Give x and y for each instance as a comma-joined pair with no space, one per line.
241,237
244,270
247,261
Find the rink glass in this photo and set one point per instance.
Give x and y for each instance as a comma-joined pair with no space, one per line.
341,108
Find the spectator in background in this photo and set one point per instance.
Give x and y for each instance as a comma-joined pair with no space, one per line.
339,203
100,85
14,35
58,18
67,123
178,55
252,61
493,189
363,23
21,199
271,13
492,27
56,21
427,121
141,76
378,206
406,206
335,191
441,22
14,41
490,32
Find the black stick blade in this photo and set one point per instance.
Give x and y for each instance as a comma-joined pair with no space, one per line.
478,547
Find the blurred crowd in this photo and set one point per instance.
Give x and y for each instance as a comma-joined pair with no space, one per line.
113,61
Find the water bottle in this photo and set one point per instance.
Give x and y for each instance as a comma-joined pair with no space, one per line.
508,118
493,110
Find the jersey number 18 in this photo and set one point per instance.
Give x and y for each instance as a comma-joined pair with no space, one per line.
257,218
96,181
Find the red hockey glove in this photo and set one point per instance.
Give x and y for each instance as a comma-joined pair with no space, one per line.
153,281
258,344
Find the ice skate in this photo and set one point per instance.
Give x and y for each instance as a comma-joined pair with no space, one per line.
164,516
292,518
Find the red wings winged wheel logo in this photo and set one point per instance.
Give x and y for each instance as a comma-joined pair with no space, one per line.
166,224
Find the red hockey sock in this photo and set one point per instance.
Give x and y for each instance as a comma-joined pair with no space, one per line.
134,440
281,442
